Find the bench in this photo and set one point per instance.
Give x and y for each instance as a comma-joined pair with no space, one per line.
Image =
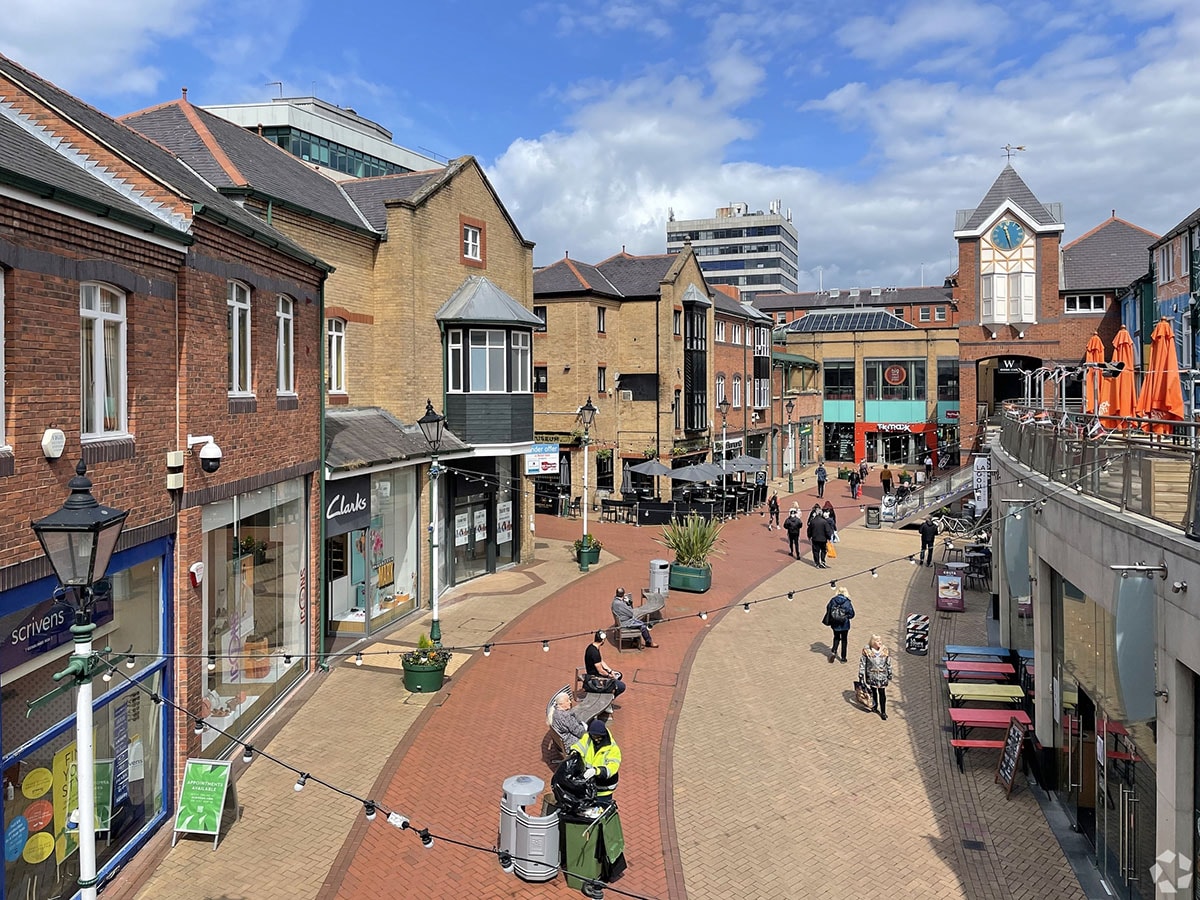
591,706
652,605
622,634
953,651
962,745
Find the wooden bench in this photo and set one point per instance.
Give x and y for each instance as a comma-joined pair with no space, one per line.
962,745
953,651
652,605
588,708
619,635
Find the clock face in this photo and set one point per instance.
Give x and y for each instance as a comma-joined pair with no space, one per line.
1008,235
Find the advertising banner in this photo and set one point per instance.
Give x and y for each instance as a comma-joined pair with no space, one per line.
982,471
542,459
950,594
202,798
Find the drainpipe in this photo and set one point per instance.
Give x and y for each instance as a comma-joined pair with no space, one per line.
317,583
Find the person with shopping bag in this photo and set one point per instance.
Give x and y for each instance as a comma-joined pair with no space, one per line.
875,672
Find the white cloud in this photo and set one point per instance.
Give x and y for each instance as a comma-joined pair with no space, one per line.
98,46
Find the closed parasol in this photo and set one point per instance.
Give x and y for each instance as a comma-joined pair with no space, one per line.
1162,394
1118,399
1093,358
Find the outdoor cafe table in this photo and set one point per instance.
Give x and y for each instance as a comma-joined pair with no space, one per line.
979,671
963,692
953,651
965,719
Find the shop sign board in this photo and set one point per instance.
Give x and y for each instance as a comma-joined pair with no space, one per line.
950,594
47,626
202,798
542,459
981,477
348,505
893,426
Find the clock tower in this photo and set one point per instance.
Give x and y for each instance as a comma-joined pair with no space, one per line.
1009,310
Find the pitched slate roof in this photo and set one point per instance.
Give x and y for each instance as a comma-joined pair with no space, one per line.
854,320
892,296
568,276
371,194
479,300
637,276
1112,255
28,162
358,437
155,161
1007,186
230,156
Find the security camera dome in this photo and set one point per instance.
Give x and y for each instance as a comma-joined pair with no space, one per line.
210,457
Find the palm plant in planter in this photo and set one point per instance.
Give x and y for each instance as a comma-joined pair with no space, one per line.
425,667
693,540
587,545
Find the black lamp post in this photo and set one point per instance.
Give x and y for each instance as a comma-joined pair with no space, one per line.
790,406
587,415
432,427
79,540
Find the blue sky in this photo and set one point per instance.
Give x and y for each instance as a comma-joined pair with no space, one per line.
872,121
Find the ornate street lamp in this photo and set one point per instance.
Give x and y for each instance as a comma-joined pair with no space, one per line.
432,427
79,540
587,415
790,406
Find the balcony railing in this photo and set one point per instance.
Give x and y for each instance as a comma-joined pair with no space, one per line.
1154,475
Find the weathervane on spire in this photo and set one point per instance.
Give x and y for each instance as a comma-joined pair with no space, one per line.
1008,150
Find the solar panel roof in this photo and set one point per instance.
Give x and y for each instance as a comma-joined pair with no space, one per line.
855,320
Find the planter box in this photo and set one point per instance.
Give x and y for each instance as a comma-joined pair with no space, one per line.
688,578
423,679
591,556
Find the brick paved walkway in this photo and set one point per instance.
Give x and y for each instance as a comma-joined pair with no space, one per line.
747,769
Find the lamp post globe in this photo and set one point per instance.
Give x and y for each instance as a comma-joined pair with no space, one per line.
433,428
79,540
587,415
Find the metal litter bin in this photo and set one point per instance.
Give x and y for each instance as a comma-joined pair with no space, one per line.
660,576
873,517
532,841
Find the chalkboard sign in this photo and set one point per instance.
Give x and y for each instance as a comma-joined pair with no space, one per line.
1010,756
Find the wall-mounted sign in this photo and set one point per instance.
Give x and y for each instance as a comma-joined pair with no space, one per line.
43,627
892,426
347,505
542,459
1008,365
504,522
952,414
895,374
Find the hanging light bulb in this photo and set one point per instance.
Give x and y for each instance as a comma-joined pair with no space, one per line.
913,560
107,676
545,646
704,615
874,573
426,838
487,649
369,810
1017,514
746,607
129,661
200,726
301,781
358,659
247,753
212,662
156,699
833,584
791,595
287,659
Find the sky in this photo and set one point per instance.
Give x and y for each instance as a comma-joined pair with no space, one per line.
872,121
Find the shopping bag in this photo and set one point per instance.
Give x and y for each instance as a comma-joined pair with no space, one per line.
863,693
831,552
835,538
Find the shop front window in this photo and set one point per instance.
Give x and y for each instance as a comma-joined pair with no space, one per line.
390,547
506,511
839,441
256,605
40,750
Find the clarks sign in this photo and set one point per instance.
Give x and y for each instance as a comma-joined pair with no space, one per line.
347,505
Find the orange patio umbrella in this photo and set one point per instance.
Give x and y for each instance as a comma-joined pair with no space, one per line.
1118,399
1162,394
1091,385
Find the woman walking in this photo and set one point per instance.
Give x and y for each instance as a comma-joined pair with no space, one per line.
838,613
875,671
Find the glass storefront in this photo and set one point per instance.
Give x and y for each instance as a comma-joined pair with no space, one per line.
40,786
483,504
1106,763
255,605
839,442
372,569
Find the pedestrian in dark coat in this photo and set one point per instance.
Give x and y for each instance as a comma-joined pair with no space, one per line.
820,530
929,533
792,526
855,480
830,513
822,477
773,512
838,613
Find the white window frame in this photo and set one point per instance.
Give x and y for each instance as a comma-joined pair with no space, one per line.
762,341
601,318
1007,298
780,318
925,315
241,371
720,331
677,322
3,381
491,341
472,242
939,314
285,345
454,360
522,363
93,397
1072,304
1166,262
736,400
335,355
720,388
737,333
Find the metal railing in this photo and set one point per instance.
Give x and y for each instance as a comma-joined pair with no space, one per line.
1154,475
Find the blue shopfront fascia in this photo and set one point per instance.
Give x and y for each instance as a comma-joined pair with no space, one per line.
29,595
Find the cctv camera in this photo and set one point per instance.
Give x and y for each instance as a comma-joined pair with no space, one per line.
210,457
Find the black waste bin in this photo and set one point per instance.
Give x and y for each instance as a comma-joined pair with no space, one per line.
873,516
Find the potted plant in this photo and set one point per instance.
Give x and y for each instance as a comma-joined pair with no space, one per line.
587,548
693,540
425,667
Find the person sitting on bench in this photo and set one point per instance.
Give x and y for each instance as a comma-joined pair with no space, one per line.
565,720
622,608
596,667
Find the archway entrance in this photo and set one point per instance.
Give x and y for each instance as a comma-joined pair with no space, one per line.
1000,379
